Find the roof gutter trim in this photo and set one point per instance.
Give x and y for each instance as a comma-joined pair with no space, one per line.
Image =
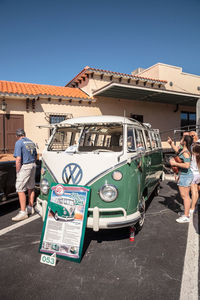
117,74
144,88
10,95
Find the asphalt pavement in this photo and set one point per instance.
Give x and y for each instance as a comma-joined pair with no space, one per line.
151,267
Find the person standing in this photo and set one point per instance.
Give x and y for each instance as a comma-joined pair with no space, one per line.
194,136
195,167
26,155
185,176
174,147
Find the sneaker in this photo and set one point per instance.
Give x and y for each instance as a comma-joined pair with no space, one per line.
192,211
30,210
180,213
22,215
183,219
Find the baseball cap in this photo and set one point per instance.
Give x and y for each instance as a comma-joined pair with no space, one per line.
20,132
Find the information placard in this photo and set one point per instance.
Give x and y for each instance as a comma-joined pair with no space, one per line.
65,221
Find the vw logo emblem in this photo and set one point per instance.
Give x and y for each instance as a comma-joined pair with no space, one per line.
72,173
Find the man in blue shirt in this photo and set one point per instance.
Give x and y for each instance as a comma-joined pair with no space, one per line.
26,155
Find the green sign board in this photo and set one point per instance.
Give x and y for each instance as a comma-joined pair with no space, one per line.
65,221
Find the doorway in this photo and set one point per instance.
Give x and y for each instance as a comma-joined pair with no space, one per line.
8,125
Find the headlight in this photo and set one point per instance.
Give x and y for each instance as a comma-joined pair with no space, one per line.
44,186
117,175
108,193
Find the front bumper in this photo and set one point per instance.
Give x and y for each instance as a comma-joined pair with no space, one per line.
96,222
41,207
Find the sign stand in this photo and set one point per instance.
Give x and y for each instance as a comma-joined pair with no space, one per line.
65,222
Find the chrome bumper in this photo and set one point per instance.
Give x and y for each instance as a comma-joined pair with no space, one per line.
41,207
96,222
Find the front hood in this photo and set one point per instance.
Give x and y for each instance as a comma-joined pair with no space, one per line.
80,168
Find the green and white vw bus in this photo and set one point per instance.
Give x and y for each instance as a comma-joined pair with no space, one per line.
62,208
119,158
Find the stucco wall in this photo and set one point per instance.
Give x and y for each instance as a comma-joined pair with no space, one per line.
181,82
33,119
92,84
161,116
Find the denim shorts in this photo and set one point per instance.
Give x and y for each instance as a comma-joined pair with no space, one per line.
185,180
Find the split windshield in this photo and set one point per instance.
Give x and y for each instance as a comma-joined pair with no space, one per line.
106,137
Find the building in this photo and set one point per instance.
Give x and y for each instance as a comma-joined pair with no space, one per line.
161,95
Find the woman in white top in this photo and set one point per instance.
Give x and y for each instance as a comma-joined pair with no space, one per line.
195,167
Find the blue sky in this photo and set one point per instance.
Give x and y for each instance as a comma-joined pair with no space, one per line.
51,41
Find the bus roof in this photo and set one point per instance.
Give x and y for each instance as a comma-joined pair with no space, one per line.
100,120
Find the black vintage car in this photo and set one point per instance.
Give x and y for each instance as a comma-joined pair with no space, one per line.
8,178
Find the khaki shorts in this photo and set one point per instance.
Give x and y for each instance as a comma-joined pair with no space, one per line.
26,178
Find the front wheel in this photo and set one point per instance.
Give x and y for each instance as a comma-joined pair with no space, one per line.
157,190
56,216
141,209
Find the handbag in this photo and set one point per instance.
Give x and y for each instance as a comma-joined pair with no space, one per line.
178,160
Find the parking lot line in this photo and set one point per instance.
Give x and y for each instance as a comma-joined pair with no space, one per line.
189,284
19,224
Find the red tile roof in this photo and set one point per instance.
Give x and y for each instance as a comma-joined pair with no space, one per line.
32,89
87,69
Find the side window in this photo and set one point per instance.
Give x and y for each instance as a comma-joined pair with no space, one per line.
154,141
130,139
148,141
158,140
139,139
61,141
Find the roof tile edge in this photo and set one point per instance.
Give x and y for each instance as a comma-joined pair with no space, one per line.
114,73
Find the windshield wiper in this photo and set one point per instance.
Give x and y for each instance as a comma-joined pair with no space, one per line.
102,150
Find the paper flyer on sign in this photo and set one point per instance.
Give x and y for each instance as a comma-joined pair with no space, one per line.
65,222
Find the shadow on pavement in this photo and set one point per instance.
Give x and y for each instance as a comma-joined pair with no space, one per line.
196,219
11,205
110,234
174,202
6,208
104,235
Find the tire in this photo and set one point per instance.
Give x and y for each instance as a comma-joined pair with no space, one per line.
141,209
56,216
157,190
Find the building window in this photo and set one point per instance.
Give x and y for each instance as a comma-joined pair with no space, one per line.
56,119
139,118
188,120
53,119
